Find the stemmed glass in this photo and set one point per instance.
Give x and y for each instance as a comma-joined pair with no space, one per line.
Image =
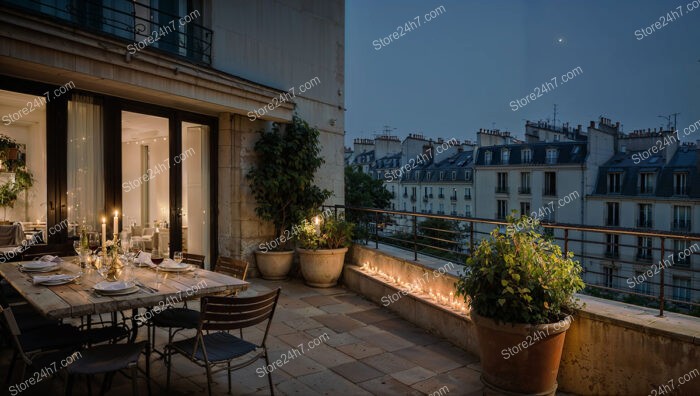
177,257
157,258
82,252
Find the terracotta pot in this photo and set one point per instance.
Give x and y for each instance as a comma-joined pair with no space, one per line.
521,359
322,267
274,265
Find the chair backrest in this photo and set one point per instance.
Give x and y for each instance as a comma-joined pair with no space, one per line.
191,258
230,313
12,328
136,230
229,266
148,232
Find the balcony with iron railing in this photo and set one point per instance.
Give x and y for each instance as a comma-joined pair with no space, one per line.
467,196
524,190
501,189
549,192
141,25
453,198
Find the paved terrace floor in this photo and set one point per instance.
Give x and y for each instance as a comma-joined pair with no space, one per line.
368,350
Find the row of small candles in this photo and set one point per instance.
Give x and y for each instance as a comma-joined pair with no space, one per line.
447,300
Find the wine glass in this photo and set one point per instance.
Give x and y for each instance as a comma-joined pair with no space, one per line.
93,240
101,266
177,257
82,254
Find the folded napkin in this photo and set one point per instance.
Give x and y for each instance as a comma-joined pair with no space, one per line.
53,278
49,257
143,258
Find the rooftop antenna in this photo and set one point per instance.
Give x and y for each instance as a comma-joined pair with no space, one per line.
668,120
387,130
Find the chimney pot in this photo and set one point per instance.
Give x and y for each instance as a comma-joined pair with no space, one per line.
592,124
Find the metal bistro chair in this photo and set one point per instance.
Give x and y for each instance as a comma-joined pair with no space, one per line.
232,267
102,359
182,318
223,314
195,259
178,318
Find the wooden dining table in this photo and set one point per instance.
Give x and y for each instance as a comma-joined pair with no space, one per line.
79,299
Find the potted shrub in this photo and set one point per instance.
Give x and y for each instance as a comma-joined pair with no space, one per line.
282,184
521,289
322,248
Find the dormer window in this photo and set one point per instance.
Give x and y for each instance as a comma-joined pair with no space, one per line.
467,175
428,175
487,158
416,175
526,156
454,175
680,186
646,183
442,175
505,156
614,183
552,156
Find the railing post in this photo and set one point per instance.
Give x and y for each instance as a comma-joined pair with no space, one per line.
376,230
415,239
663,278
335,214
471,237
566,241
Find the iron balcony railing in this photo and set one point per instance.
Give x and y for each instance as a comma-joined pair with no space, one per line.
680,225
453,238
139,25
501,189
524,190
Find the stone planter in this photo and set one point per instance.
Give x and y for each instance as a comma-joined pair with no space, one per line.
520,359
274,265
322,267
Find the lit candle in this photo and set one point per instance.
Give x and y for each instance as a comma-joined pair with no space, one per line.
116,222
104,231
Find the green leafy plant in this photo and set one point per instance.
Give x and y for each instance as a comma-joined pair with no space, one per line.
282,181
331,234
521,277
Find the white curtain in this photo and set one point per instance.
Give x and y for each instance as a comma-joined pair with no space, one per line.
86,198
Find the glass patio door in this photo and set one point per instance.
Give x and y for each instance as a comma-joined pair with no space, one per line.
195,214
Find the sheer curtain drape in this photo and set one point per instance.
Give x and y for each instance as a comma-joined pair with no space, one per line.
86,199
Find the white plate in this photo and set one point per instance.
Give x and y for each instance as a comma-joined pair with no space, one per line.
123,292
170,264
106,287
58,282
37,265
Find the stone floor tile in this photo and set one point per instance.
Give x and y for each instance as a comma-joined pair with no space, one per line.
360,350
464,379
388,363
427,359
413,375
334,339
295,387
388,386
301,365
370,316
319,301
343,308
356,371
338,322
328,356
329,383
303,324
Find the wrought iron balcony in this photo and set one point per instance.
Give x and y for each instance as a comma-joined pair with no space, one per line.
501,189
139,25
524,190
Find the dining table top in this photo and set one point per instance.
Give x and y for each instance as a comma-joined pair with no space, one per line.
76,299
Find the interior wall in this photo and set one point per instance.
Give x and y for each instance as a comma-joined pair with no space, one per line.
33,135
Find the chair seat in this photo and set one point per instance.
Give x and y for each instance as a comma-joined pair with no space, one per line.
106,358
181,318
60,336
220,347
